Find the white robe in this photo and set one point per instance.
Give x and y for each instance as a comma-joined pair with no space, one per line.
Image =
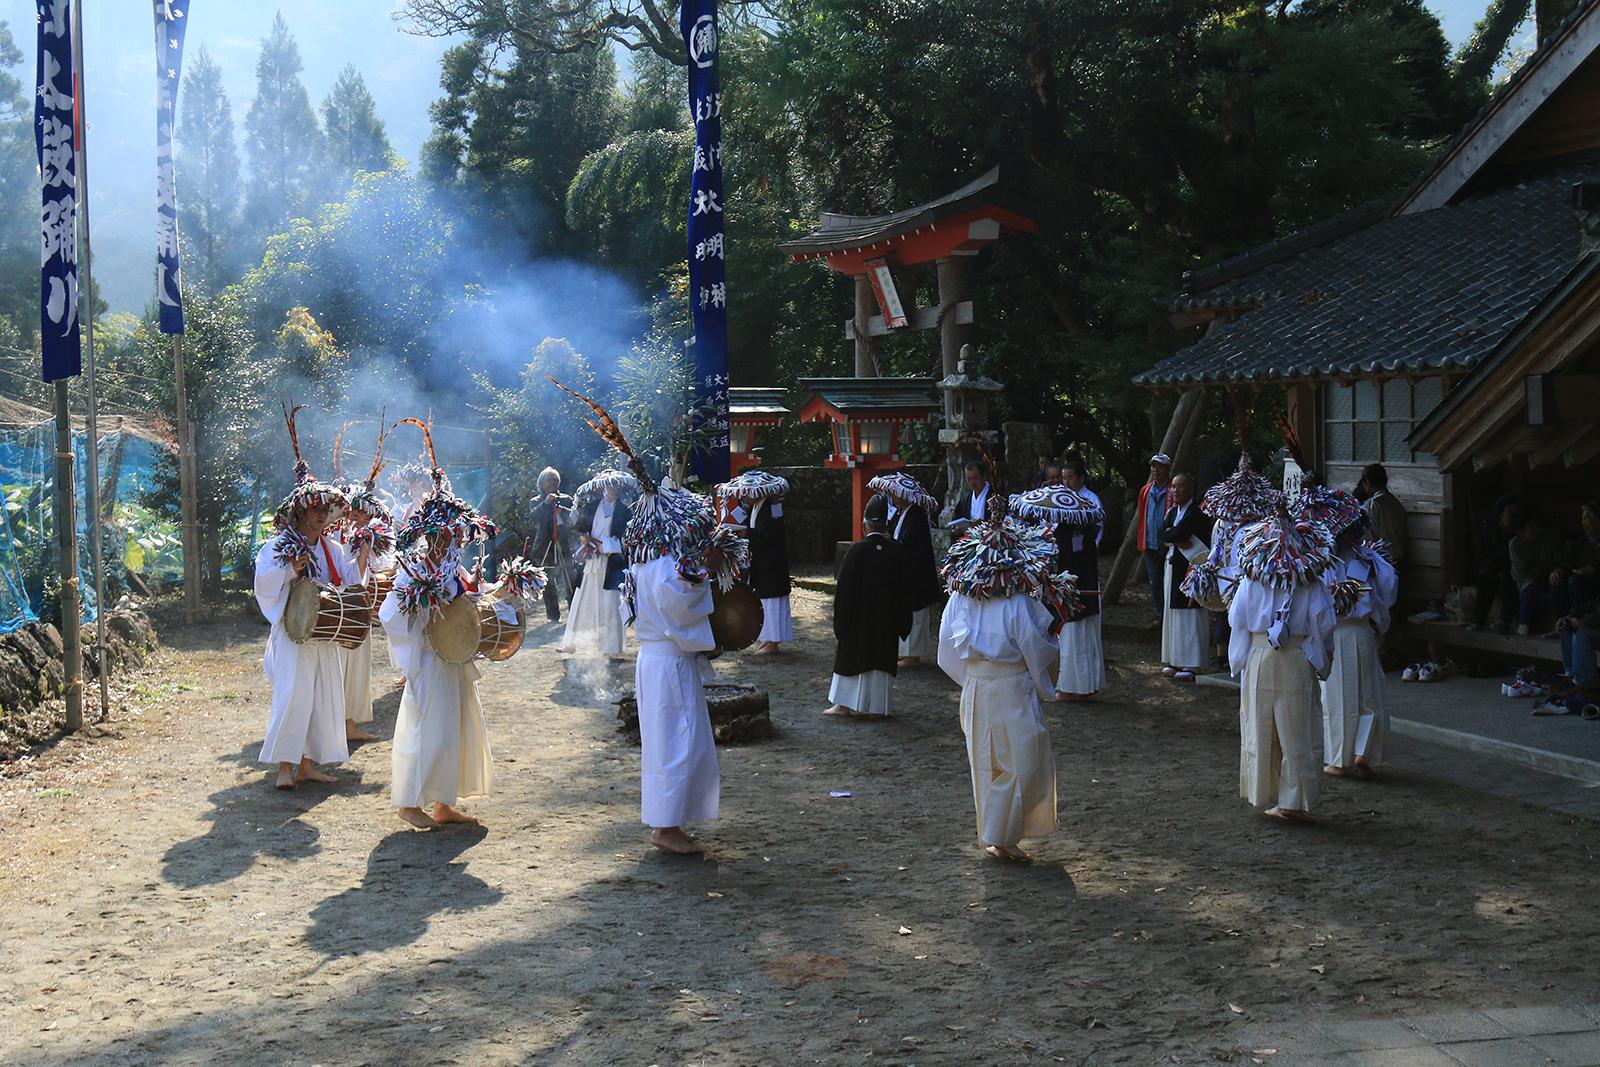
1000,651
1083,660
441,747
920,642
358,660
1355,718
307,715
679,781
594,622
1185,632
777,618
1280,646
866,693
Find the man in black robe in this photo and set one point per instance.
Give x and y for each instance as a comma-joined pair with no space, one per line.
1185,626
552,541
908,525
871,613
769,569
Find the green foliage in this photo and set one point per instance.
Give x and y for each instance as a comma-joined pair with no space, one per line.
655,403
356,139
208,174
534,425
282,138
19,196
628,198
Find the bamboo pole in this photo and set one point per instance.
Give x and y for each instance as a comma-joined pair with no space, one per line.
67,545
1188,410
188,506
91,423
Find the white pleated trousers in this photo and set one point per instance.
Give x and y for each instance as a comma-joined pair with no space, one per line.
866,693
777,623
923,639
1278,716
1083,661
1008,749
1355,720
441,747
678,778
1185,632
358,681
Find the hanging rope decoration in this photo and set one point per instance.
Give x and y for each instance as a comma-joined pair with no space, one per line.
1245,495
1347,595
521,578
290,548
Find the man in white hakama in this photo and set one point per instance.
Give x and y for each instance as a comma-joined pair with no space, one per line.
995,641
595,622
1282,623
679,780
305,725
1083,662
1355,723
441,746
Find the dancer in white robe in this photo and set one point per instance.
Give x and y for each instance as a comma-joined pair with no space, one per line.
995,641
368,539
595,623
1355,719
441,746
305,725
1242,497
1282,621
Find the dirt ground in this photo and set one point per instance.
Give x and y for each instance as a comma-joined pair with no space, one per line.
161,903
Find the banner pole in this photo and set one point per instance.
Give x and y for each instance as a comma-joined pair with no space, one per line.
91,423
67,545
188,509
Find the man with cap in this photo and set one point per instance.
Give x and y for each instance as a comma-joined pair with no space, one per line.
1148,519
871,614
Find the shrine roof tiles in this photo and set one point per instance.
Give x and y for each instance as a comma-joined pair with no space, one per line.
757,400
1421,293
866,395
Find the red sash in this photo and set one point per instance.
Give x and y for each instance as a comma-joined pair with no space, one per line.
333,571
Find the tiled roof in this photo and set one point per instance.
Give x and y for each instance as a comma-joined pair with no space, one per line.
836,232
873,394
1426,292
756,400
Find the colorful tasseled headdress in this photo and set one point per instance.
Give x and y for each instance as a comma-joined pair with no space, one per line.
1282,552
904,490
612,477
441,511
308,492
753,484
1056,505
1005,556
1245,495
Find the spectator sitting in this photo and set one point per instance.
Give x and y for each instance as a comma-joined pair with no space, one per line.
1532,562
1576,579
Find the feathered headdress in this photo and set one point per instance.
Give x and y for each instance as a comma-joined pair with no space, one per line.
364,495
308,492
666,522
441,511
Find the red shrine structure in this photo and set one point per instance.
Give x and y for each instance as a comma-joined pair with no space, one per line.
867,415
751,409
881,252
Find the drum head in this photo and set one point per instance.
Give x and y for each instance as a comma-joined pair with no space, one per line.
454,633
300,614
736,616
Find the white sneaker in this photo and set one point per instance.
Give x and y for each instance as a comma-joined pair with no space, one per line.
1425,673
1410,674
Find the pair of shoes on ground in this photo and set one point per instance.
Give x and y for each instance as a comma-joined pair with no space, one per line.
1520,688
1431,671
1178,674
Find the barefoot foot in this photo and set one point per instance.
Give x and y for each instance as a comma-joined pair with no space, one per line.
418,818
767,648
309,773
910,661
839,711
1007,853
352,732
1333,771
673,839
1365,769
285,776
443,813
1289,815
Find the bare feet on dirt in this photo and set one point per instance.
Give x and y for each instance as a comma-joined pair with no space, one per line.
309,773
1365,769
418,818
352,732
910,661
673,839
285,776
839,711
1289,815
444,813
767,648
1333,771
1007,853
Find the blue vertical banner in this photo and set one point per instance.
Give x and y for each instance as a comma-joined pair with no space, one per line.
172,18
708,275
54,114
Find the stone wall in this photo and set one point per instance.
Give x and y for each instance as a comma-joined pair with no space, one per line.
31,658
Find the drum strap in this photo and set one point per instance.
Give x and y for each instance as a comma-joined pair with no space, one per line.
333,572
466,583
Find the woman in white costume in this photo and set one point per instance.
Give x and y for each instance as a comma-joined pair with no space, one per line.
757,506
1355,721
995,641
305,726
367,536
1282,621
441,747
594,622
